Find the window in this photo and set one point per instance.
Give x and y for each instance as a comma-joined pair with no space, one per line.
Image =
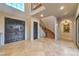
19,6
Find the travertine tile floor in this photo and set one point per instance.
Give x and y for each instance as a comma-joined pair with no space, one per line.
39,47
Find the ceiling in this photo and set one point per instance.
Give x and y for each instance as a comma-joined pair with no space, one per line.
53,9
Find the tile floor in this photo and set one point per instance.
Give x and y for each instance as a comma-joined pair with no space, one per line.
39,47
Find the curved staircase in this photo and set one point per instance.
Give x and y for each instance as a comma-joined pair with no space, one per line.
48,32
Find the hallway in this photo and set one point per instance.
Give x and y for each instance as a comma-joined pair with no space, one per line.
40,47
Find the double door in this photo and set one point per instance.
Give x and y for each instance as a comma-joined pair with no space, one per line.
14,30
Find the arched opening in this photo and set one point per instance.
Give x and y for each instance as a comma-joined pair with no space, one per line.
66,30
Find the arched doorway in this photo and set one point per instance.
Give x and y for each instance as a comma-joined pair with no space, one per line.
66,30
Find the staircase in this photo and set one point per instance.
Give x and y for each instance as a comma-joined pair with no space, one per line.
49,33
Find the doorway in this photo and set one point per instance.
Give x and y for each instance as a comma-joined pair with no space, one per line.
66,30
14,30
35,30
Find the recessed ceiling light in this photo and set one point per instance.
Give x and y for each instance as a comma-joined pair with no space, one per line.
62,7
42,15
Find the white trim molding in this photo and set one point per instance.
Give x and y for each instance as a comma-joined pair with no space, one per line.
32,26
